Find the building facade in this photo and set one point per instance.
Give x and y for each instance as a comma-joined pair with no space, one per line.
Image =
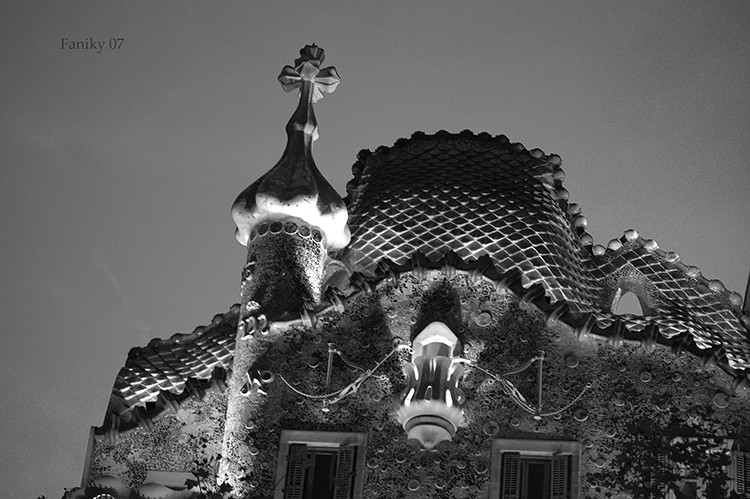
448,329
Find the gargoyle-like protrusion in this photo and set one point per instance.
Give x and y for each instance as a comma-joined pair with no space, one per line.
430,409
295,187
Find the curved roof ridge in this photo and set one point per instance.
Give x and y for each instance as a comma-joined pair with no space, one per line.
188,337
167,371
442,134
671,259
553,177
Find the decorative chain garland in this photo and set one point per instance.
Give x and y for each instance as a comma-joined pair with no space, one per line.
508,388
334,397
512,392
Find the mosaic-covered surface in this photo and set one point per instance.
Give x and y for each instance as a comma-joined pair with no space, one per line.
475,201
602,396
481,196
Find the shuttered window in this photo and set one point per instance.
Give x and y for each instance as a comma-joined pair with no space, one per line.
320,465
511,476
344,472
534,477
295,472
741,471
560,488
535,469
659,471
320,473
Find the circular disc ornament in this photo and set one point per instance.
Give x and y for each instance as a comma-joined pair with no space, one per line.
721,400
483,319
491,428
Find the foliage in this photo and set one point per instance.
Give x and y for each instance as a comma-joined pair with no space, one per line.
657,453
205,471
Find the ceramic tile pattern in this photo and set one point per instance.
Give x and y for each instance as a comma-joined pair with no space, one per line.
466,198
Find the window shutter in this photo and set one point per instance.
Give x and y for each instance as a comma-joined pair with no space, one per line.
344,472
663,469
741,471
657,472
560,477
295,472
511,480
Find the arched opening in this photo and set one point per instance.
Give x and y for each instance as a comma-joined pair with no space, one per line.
628,303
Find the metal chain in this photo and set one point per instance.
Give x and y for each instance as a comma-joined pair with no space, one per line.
517,397
508,388
351,387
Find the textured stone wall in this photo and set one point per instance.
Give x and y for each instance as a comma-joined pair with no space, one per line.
178,442
625,389
287,259
632,399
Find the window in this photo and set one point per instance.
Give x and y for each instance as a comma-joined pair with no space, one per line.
629,303
632,297
534,469
534,476
740,471
320,465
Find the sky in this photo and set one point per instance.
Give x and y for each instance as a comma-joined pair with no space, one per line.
119,167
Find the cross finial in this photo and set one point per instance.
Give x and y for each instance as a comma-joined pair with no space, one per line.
307,68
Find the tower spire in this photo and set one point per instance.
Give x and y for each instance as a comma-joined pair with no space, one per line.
294,187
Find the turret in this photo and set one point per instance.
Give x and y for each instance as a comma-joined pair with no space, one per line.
291,217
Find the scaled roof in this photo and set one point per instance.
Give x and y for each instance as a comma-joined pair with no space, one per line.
483,204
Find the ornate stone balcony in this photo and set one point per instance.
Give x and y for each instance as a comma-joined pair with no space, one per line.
430,409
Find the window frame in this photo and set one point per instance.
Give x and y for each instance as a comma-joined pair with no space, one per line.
739,472
322,439
535,448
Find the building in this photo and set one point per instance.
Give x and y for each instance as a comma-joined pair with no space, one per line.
448,329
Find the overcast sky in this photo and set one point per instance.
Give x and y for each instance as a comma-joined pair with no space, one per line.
119,167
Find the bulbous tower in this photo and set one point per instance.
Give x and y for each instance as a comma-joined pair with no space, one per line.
289,219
